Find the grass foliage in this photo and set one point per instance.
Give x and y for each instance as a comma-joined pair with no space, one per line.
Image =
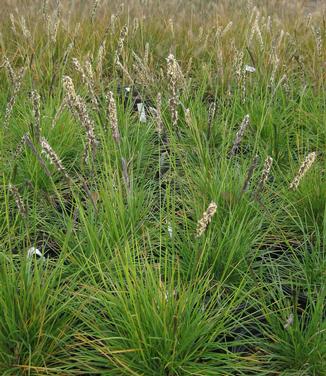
188,242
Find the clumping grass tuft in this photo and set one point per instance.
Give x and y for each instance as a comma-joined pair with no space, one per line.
162,188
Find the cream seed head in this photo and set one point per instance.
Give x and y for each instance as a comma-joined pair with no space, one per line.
13,23
53,158
305,166
100,58
227,28
121,42
113,117
11,73
173,104
53,24
239,135
79,109
90,82
36,101
250,172
265,174
146,54
174,72
206,219
94,9
171,71
18,199
79,69
69,88
16,88
143,73
20,147
89,70
319,41
27,34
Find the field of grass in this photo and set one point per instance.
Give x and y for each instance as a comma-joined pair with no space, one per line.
163,187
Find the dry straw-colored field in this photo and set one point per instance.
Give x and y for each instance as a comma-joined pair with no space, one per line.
163,188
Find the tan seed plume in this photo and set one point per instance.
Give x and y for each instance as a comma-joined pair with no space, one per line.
20,147
121,42
265,174
250,172
53,158
79,109
143,73
113,117
79,69
173,104
11,73
87,75
36,101
45,8
306,165
173,73
13,23
94,9
100,58
239,135
10,105
90,83
18,199
27,34
206,219
240,73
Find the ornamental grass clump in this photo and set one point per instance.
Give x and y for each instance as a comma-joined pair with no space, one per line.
129,146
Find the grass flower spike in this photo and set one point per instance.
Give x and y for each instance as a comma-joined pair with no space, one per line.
206,219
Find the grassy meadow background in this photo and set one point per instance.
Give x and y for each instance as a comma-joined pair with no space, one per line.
163,188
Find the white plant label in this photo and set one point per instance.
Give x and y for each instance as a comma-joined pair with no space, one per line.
142,113
250,69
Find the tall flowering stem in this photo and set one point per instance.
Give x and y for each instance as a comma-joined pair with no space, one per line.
18,199
79,109
53,158
36,101
239,136
112,116
264,176
306,165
